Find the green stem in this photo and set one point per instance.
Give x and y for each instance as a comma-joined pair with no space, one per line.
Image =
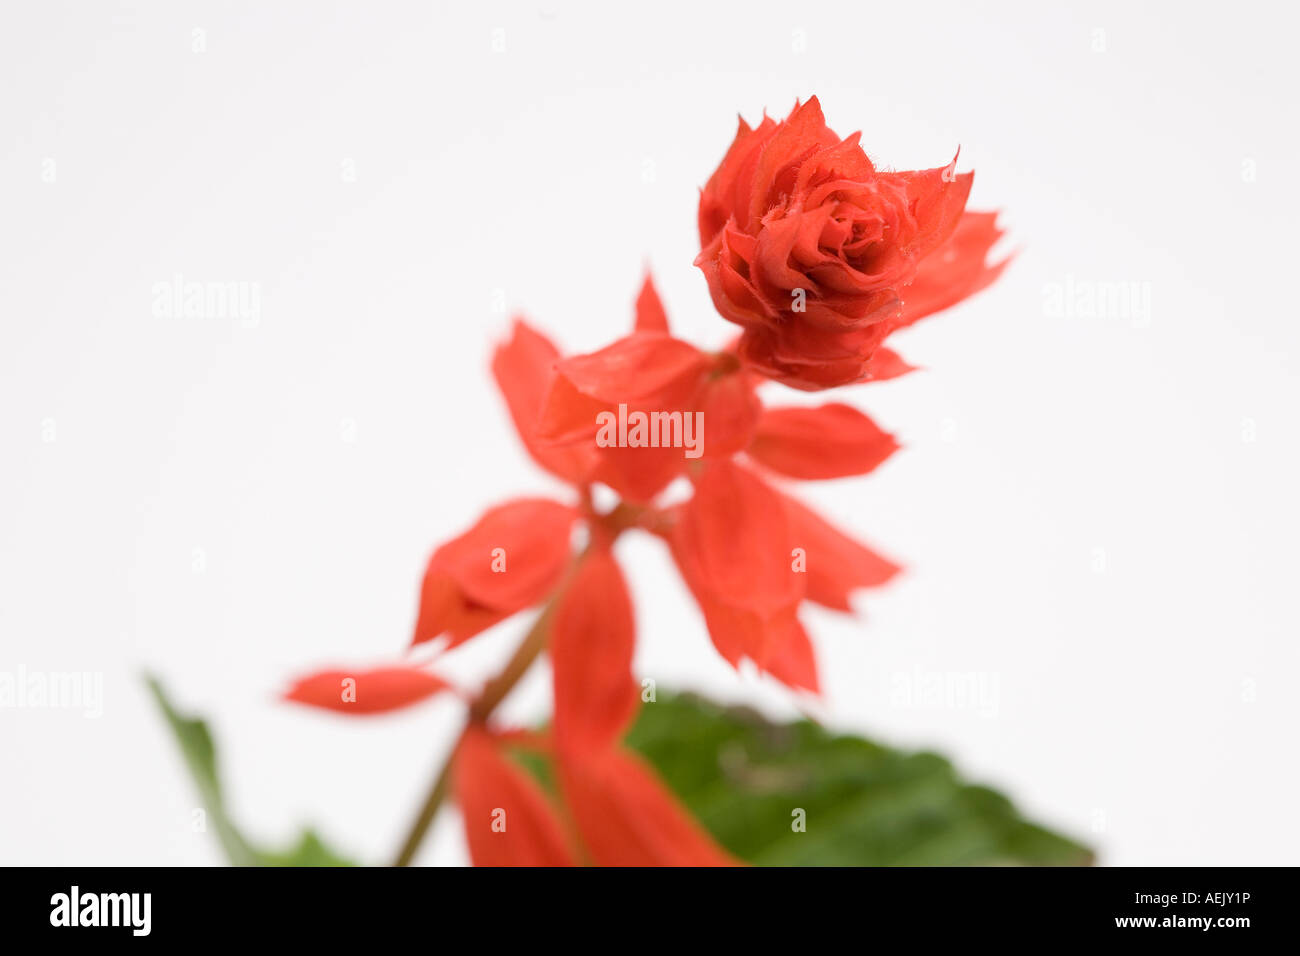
480,709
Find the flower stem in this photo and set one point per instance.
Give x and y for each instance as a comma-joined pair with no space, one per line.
494,691
441,784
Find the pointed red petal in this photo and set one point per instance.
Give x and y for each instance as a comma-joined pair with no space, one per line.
726,195
830,441
569,418
650,314
836,564
511,559
730,410
374,691
807,358
886,364
628,818
937,197
639,367
794,663
638,474
643,370
734,544
524,369
956,270
593,637
642,375
508,820
803,131
445,609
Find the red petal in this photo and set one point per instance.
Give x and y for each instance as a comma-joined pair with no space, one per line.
511,559
730,408
650,314
569,418
726,194
794,663
956,269
593,637
937,198
638,474
803,131
836,564
374,691
524,369
886,364
812,359
645,373
508,820
444,609
628,818
831,441
734,544
644,369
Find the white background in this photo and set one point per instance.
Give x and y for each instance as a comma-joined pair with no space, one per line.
1088,525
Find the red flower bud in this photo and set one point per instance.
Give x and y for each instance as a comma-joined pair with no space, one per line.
811,249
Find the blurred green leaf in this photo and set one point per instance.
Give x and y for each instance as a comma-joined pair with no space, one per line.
201,757
309,851
744,776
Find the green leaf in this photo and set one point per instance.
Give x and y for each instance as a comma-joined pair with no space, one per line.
864,804
310,851
201,757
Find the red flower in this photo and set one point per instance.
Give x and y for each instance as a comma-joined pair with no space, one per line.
818,256
811,249
743,548
697,404
649,372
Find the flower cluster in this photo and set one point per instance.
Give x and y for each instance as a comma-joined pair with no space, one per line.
818,256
